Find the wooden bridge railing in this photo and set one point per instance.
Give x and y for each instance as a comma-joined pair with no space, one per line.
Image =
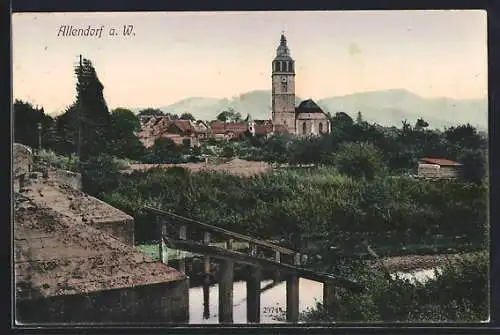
229,256
181,220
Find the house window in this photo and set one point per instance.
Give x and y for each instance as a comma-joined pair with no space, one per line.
321,128
287,66
304,128
291,66
281,66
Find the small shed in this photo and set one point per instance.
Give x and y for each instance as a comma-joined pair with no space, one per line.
440,168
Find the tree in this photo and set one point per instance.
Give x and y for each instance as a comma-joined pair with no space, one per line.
187,116
100,174
359,118
360,160
465,136
164,150
150,112
421,124
227,152
123,141
229,115
474,168
93,114
277,148
341,120
26,121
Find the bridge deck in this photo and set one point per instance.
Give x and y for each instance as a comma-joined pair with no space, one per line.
217,252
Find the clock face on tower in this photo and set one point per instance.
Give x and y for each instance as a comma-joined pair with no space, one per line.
283,80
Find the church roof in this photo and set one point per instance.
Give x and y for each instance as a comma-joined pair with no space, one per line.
309,106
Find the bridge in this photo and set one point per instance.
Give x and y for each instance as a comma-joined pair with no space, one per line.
260,254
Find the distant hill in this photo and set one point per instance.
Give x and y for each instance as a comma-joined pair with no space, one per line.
391,107
256,103
387,108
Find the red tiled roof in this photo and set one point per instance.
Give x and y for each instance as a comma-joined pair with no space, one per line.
220,127
261,129
280,129
183,125
439,161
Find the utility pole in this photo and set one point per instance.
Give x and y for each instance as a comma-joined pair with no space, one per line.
79,116
39,136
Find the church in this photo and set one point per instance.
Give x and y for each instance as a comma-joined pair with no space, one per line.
305,119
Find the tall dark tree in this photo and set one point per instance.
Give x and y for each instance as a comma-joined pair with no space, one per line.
67,131
93,113
26,122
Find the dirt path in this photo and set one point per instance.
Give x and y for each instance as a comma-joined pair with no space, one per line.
236,167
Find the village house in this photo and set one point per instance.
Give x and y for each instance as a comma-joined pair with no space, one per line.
306,119
438,168
181,132
237,130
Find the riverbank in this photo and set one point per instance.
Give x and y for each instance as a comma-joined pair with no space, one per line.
410,263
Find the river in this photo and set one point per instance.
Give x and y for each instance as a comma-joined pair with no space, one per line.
272,300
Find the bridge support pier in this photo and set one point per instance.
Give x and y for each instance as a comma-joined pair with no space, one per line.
329,295
162,229
226,291
182,236
253,294
206,298
292,294
206,279
277,259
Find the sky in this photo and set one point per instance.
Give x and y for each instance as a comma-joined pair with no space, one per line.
172,56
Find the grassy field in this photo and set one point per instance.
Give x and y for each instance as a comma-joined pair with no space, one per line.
153,251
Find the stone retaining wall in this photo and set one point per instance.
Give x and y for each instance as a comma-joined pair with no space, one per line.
72,179
22,159
121,228
162,302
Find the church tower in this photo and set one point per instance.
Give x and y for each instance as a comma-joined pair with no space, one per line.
283,87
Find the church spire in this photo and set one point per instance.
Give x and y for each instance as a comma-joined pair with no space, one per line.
283,50
283,38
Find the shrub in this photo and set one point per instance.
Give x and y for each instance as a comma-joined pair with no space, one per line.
50,158
458,294
360,160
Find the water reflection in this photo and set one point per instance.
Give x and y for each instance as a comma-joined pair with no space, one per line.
204,300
